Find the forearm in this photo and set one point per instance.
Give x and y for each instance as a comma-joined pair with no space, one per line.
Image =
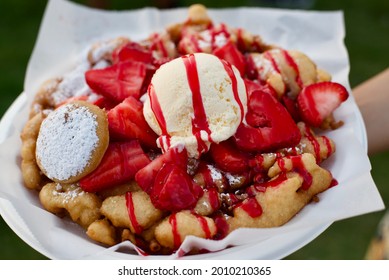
372,97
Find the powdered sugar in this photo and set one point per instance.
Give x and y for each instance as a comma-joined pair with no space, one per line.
66,141
72,84
67,195
233,179
215,174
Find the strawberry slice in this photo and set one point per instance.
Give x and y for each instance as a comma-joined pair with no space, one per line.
174,189
230,53
118,81
269,125
257,85
146,176
126,121
317,101
136,53
120,163
97,100
291,106
251,68
132,52
228,158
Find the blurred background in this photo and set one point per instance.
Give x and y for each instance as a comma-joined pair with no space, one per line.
367,41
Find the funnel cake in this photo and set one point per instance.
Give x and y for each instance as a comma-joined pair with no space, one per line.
198,130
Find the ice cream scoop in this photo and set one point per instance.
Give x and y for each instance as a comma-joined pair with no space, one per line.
195,100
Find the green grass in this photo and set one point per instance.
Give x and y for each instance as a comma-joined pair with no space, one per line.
367,40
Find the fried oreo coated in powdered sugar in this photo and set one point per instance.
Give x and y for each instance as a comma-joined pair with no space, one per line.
72,141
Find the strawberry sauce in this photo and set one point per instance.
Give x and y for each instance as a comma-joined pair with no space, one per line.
175,232
277,181
204,225
231,74
316,145
222,227
328,145
195,43
215,33
292,63
156,108
199,121
213,198
157,111
298,167
157,44
252,207
240,40
273,62
131,213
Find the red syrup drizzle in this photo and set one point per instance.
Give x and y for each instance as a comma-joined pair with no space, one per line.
275,182
204,225
195,43
334,183
199,121
213,199
214,33
316,145
257,163
207,177
222,227
157,111
231,74
273,62
251,207
292,63
298,167
157,44
131,213
328,145
240,41
176,234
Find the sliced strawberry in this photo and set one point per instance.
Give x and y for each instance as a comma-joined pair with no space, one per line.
104,103
118,81
97,100
132,52
230,53
120,163
228,158
146,176
72,99
291,106
135,52
251,68
160,61
126,121
269,125
174,189
316,102
252,86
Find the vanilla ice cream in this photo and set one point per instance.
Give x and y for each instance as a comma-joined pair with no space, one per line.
195,100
